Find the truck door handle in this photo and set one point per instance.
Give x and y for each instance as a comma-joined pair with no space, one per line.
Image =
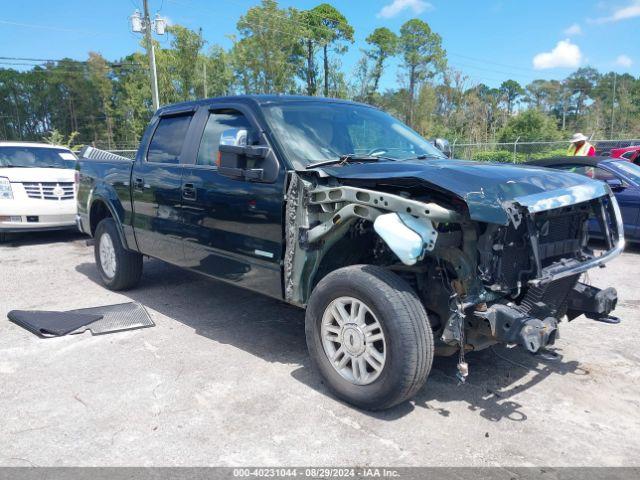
189,191
138,183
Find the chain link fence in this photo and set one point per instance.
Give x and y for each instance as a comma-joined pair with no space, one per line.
523,151
514,152
131,154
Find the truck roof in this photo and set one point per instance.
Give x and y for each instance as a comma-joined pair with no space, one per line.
258,100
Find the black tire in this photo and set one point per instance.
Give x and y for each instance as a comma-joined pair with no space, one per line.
4,237
404,321
128,264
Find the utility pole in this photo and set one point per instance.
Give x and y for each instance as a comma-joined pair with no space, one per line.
613,101
152,56
144,24
204,75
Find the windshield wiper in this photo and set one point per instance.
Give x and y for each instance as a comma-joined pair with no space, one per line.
351,157
424,156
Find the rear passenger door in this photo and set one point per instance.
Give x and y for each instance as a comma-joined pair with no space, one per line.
156,184
234,227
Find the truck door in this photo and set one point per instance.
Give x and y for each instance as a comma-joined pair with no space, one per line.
156,185
233,227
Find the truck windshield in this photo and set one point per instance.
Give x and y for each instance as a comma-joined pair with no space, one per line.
36,157
312,132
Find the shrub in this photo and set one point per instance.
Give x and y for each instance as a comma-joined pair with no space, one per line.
504,156
507,156
529,126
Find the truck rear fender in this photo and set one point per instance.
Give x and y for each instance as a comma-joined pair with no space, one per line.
104,203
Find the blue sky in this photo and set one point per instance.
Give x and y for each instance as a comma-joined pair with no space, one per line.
489,40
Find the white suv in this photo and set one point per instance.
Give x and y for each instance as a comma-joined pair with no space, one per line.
37,187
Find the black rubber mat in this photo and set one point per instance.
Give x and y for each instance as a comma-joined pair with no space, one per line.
115,318
52,324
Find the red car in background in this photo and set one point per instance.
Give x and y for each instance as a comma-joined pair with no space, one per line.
628,153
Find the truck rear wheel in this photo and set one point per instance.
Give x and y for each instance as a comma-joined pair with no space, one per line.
119,269
369,336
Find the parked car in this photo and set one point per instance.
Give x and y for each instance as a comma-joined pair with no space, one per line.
37,187
605,147
622,177
628,153
396,252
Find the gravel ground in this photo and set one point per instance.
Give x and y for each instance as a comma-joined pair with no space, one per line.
224,379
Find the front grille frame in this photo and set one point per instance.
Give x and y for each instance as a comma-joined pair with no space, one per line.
607,211
45,190
561,232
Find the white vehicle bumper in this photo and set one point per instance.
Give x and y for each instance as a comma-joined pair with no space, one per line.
28,214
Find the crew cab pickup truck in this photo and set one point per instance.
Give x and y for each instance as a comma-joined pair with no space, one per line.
396,252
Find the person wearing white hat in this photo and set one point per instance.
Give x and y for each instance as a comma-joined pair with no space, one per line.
580,147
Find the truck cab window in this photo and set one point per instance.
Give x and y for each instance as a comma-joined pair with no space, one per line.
218,123
167,140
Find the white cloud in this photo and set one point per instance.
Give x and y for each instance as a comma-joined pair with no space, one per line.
564,55
624,61
397,6
573,30
631,10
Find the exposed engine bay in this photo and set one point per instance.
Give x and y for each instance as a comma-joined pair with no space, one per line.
481,282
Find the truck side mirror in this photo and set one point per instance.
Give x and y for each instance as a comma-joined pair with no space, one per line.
443,145
615,184
238,160
235,137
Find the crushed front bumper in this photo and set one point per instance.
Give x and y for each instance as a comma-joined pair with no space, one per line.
555,291
534,325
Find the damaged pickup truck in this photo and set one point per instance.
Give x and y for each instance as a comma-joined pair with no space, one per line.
396,252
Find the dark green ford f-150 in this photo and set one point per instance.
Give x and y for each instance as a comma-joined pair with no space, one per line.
396,252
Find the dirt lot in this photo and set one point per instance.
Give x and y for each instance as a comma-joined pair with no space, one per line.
224,379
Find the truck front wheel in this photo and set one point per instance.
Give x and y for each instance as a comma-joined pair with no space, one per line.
119,268
369,336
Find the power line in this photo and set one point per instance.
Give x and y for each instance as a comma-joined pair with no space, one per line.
491,62
52,60
57,29
79,69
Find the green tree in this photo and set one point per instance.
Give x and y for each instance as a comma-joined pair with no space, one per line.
384,44
183,57
511,91
219,73
56,138
132,99
329,27
99,73
268,54
581,83
529,126
423,57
